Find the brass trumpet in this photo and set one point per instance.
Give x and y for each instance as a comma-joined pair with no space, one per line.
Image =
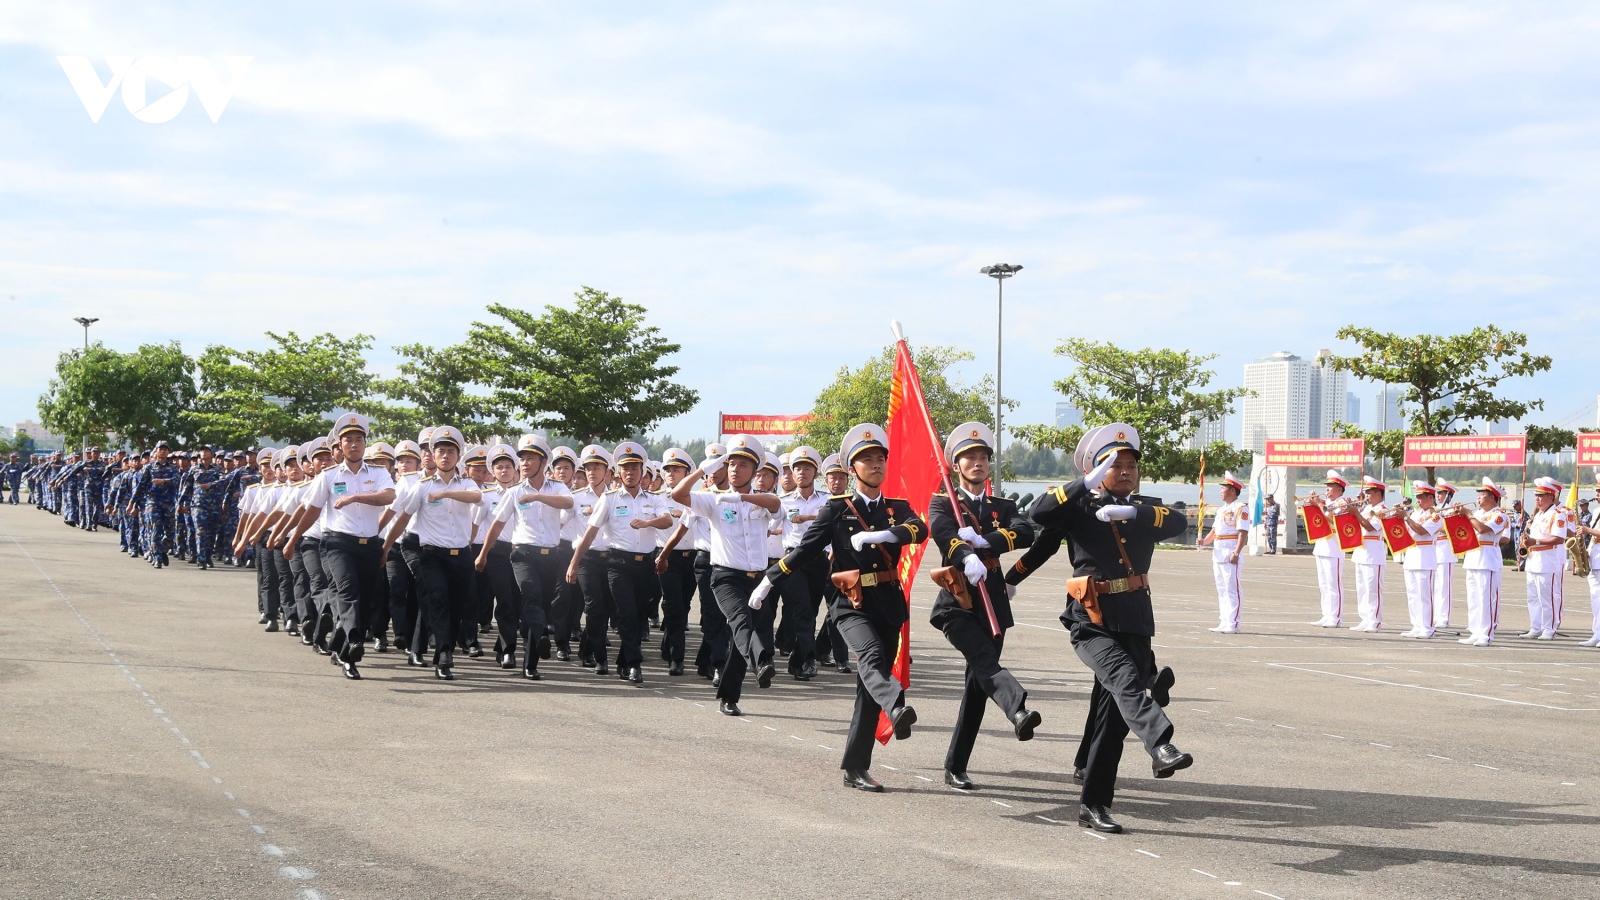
1455,509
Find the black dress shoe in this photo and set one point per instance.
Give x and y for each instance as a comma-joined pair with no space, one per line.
716,678
321,650
350,670
305,637
508,660
413,659
959,781
861,780
1024,722
272,625
1077,775
602,669
586,663
636,675
730,708
1168,759
622,672
544,647
262,620
381,645
531,674
1098,818
902,719
475,651
443,673
402,643
764,676
563,654
1161,690
842,668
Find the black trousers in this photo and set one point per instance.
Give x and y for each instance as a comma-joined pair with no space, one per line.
316,605
986,680
830,643
411,552
802,594
733,588
630,577
267,584
877,690
566,609
355,583
483,588
505,598
402,596
445,595
713,652
677,591
302,580
594,579
539,573
284,580
1123,666
766,618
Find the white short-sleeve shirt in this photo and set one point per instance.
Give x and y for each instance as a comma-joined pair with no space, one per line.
357,519
616,509
442,523
738,531
532,522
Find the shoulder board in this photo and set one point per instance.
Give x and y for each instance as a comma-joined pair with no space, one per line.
614,491
431,478
254,486
839,496
409,474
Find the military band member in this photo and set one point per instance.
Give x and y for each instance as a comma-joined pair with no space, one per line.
738,520
1111,616
1420,563
1545,540
1590,527
1444,560
1484,566
1226,539
866,532
1371,556
988,527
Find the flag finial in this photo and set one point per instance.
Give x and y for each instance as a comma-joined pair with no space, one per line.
899,333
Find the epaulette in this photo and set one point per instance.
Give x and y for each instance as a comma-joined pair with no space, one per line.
410,474
614,490
431,478
840,496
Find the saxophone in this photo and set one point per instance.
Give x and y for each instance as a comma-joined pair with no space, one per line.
1578,553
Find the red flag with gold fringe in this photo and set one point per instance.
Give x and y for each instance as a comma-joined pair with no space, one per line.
1397,534
1317,524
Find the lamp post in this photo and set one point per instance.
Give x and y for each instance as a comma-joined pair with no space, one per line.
85,321
999,272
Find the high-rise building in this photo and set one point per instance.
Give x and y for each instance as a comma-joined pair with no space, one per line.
42,438
1067,415
1211,431
1279,399
1326,396
1386,409
1352,409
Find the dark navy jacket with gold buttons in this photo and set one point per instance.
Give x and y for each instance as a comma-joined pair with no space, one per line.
1001,526
883,602
1067,513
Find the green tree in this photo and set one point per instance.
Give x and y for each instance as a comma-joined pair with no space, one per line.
285,392
19,443
595,371
1155,391
862,395
1448,381
433,388
138,398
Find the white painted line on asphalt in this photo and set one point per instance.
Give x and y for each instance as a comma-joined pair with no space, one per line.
258,829
998,803
1290,727
924,778
1265,894
1148,853
1206,874
1482,766
1420,687
227,795
1569,784
272,850
297,873
1436,756
1376,744
1233,883
1093,835
1335,736
769,728
310,894
825,746
1048,819
891,768
243,812
797,737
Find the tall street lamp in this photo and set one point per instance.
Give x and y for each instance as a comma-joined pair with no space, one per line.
999,272
85,321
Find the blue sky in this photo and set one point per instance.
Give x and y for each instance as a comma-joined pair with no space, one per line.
774,182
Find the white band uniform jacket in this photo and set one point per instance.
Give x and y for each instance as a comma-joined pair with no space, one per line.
576,519
796,505
357,519
1487,554
1421,556
1373,551
1555,522
738,531
617,509
442,523
533,523
1231,526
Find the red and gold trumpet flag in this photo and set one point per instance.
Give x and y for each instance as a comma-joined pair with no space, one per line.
1463,536
1398,535
1349,527
1317,524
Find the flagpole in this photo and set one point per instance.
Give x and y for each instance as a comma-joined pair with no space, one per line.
915,386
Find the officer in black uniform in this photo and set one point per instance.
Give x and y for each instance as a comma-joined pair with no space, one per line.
988,526
1111,538
867,532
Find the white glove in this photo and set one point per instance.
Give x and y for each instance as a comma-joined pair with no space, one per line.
974,568
713,465
1116,512
1098,474
1011,590
863,538
971,536
729,497
760,593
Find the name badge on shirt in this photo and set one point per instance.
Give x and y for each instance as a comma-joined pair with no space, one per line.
525,502
620,512
435,502
588,510
729,514
340,489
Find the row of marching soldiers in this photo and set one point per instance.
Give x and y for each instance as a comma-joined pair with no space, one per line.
427,537
164,503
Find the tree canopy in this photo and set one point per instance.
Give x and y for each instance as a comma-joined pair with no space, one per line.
1157,391
285,392
595,371
433,388
136,398
862,395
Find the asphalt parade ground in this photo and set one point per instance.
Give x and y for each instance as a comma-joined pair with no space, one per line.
157,743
